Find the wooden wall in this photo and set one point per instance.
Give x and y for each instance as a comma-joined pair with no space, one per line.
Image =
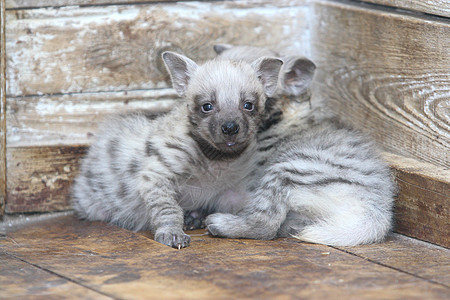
387,71
383,66
69,66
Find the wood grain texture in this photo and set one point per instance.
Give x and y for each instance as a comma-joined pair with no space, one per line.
11,4
2,109
20,280
116,48
416,257
127,265
388,74
422,209
39,178
24,4
435,7
72,119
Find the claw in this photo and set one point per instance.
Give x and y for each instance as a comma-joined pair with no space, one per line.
179,246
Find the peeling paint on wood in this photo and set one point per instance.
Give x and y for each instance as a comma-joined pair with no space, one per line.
14,4
2,109
11,4
388,74
116,48
73,119
39,178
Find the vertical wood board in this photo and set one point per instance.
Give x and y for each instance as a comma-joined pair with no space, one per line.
388,74
2,109
116,48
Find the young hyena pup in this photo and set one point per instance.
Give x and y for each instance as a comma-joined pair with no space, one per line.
142,172
317,179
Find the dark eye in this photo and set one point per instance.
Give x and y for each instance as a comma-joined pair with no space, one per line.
248,106
207,107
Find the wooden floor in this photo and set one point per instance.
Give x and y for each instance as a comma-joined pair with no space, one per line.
62,257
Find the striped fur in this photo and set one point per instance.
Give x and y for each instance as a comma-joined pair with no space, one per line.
317,180
143,172
288,172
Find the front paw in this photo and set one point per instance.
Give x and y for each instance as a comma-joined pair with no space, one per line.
223,225
172,237
232,226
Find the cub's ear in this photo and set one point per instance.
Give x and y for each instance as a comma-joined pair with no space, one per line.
268,69
180,69
219,48
296,75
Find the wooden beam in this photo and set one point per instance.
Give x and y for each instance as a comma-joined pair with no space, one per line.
422,209
434,7
2,109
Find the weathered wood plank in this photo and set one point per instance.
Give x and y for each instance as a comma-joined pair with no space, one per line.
11,4
72,119
422,209
117,48
39,178
21,4
435,7
127,265
2,109
387,73
20,280
422,259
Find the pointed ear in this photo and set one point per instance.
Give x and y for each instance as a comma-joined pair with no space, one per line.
268,69
297,74
219,48
180,69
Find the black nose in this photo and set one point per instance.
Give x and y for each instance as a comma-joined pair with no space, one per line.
230,128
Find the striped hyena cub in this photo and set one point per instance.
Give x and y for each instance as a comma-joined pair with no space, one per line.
317,179
143,171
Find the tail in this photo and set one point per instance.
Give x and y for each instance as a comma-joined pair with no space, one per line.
342,220
337,232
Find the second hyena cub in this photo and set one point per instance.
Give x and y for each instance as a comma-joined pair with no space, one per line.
142,172
317,179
